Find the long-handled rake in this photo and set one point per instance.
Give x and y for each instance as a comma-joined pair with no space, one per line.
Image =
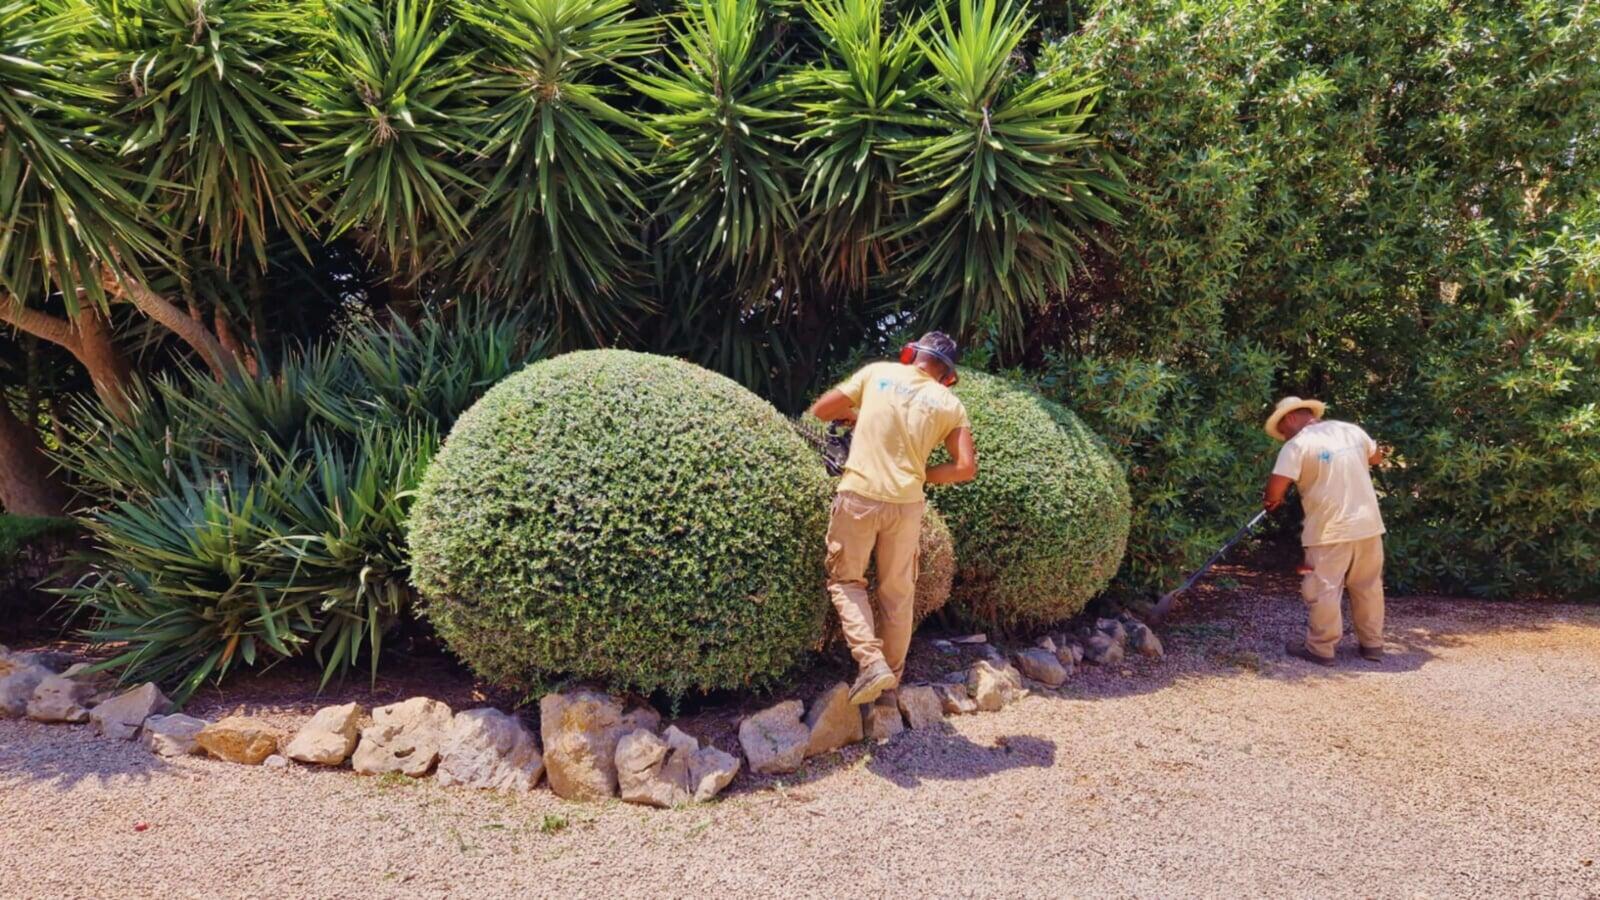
1164,605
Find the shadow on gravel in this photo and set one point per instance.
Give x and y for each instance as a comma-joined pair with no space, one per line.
941,754
66,755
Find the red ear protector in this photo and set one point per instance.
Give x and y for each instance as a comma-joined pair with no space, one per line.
908,355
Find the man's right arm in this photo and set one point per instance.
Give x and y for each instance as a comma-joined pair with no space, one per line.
843,402
834,406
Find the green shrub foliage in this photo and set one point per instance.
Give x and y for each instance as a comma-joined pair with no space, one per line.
624,517
1395,203
1043,527
246,521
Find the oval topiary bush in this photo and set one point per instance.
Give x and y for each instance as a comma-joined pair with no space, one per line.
1042,528
623,517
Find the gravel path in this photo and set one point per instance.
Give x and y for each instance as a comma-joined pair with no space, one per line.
1466,764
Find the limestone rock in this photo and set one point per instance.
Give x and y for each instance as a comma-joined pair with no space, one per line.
881,718
122,715
174,735
954,700
1144,641
1102,650
652,773
61,698
239,739
580,730
992,687
945,647
17,686
1047,644
1042,666
711,770
404,737
275,762
1069,653
486,748
833,721
1114,628
921,706
52,661
329,737
775,740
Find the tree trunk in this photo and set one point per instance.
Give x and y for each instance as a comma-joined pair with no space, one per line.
87,338
28,483
189,330
108,368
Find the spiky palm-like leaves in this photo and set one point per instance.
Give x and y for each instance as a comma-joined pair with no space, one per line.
558,217
66,203
207,84
1009,184
726,164
861,101
261,517
393,116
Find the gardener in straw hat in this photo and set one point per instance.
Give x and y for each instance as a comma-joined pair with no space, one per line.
902,411
1343,535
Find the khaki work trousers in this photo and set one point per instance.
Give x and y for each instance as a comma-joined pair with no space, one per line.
1358,566
858,529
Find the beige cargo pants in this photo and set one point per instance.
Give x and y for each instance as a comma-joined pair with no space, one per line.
1358,566
858,529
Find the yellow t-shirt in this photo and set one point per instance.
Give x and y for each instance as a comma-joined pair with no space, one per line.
902,415
1328,463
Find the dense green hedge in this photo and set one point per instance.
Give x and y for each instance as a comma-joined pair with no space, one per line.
1389,205
625,517
1042,528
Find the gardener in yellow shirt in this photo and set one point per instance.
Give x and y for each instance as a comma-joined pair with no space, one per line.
1343,535
902,411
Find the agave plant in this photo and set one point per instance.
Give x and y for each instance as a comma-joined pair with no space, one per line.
557,219
1006,182
727,162
395,112
861,102
207,112
261,517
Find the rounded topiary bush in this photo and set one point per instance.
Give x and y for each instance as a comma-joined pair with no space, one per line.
624,517
1042,528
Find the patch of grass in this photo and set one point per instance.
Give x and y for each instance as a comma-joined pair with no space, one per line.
1242,659
395,780
553,823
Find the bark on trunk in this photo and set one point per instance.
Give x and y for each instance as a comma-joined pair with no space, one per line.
28,483
159,308
108,368
88,339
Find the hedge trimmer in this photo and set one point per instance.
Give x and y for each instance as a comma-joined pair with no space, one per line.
1164,605
831,441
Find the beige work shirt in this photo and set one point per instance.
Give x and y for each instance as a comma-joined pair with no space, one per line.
1328,463
902,415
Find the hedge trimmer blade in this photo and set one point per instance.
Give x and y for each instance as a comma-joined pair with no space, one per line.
831,441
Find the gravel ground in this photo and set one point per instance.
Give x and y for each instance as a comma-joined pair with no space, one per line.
1467,763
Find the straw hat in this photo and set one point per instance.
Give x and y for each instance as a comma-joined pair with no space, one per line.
1288,405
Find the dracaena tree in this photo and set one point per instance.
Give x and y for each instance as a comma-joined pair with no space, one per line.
557,219
1005,181
394,110
723,123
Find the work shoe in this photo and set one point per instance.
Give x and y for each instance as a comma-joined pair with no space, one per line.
873,680
1372,654
1300,651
